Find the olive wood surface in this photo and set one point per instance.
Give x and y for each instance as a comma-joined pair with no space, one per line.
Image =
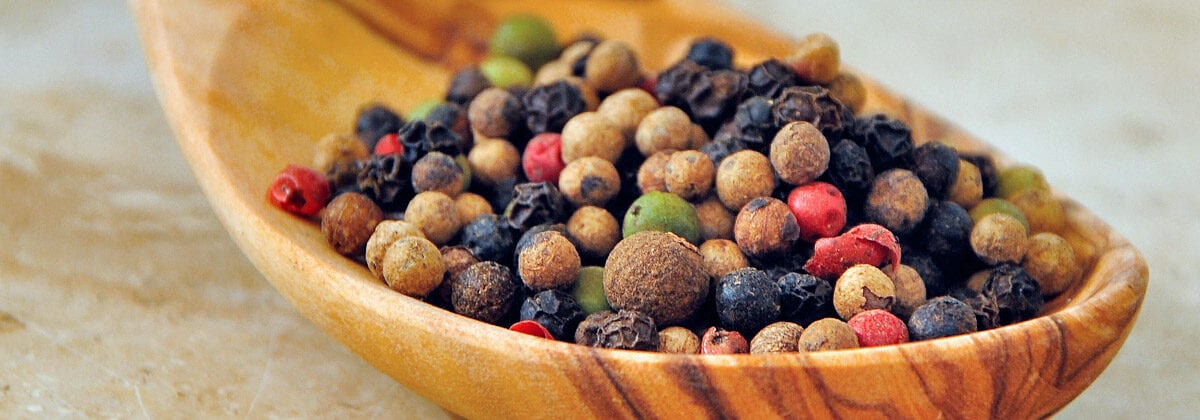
250,86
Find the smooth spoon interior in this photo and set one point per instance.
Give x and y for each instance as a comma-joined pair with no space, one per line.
250,86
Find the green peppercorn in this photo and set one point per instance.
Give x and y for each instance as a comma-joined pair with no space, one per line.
663,212
505,72
528,38
1017,178
589,290
998,205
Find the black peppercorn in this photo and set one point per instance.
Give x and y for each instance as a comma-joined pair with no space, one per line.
534,203
455,117
554,309
467,83
419,138
747,300
483,291
804,298
941,317
888,142
714,97
673,84
548,107
770,78
724,144
628,330
343,175
984,308
1017,295
946,231
489,238
814,105
755,122
937,166
711,53
386,180
850,168
374,122
931,273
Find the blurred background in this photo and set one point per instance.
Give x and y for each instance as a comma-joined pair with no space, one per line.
121,295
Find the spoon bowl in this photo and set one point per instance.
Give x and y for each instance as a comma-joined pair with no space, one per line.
249,86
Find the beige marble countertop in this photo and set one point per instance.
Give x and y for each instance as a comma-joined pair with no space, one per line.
122,296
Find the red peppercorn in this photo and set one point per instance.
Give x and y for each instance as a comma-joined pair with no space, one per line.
878,327
820,210
543,158
389,144
648,83
867,243
722,341
532,328
299,190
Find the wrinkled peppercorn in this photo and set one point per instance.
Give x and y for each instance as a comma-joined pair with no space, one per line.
489,238
554,309
628,330
343,175
937,166
804,298
420,138
386,179
534,203
466,83
747,300
1017,295
374,122
549,107
711,53
456,118
888,142
850,168
755,122
941,317
723,145
483,291
984,308
814,105
715,97
673,84
769,78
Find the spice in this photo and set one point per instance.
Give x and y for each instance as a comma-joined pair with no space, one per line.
878,327
626,330
646,268
543,158
385,234
848,89
967,188
779,337
1017,178
494,161
714,97
988,175
626,108
828,334
1043,212
412,266
799,153
464,86
595,230
813,105
532,328
850,168
747,300
673,84
937,166
550,261
651,175
678,340
721,256
744,176
387,181
819,209
483,291
299,190
611,66
528,38
534,203
489,237
527,237
1017,295
999,238
897,201
985,310
334,148
548,107
470,206
765,227
348,222
587,333
946,230
590,134
816,59
420,138
941,317
769,78
495,113
723,145
504,72
374,121
589,290
589,181
754,123
1051,261
343,175
867,243
716,221
428,210
711,53
666,128
804,298
910,291
663,212
388,144
862,288
998,205
721,341
438,172
455,118
554,309
689,174
888,142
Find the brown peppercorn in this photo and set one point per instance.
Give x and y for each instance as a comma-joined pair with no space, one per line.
412,266
470,206
779,337
435,214
716,221
1051,261
336,147
666,128
744,176
910,290
678,340
439,172
828,334
483,291
612,65
589,181
348,222
999,238
586,332
456,259
626,108
550,261
551,72
591,99
1042,211
848,89
651,176
817,60
721,256
628,330
799,153
589,134
386,233
595,230
494,161
862,288
656,273
495,112
765,227
967,189
697,138
897,201
689,174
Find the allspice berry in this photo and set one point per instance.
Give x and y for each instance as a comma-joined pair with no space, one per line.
765,227
1051,261
494,161
651,176
495,112
817,60
595,230
470,206
722,256
716,221
589,181
689,174
744,176
348,222
612,65
897,201
779,337
483,291
550,261
828,334
589,134
456,259
626,108
658,274
678,340
861,288
412,266
999,238
435,214
910,290
386,233
666,128
799,153
336,147
439,172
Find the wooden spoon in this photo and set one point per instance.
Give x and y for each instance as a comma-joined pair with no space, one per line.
250,86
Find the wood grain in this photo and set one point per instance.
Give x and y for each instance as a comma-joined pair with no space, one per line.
250,86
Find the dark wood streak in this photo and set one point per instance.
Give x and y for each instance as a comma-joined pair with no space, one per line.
695,382
599,395
934,397
768,382
630,396
888,410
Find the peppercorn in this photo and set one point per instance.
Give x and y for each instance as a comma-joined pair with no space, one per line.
1017,295
804,298
412,266
937,166
747,300
551,72
941,317
817,59
495,113
437,172
626,329
589,290
531,328
819,209
454,117
466,83
721,256
527,237
998,205
489,238
689,174
897,201
656,273
386,232
988,175
456,259
828,334
1051,261
1017,178
765,226
888,142
673,84
626,108
910,291
550,261
663,212
494,161
716,221
666,128
984,308
590,97
754,122
999,238
587,333
711,53
374,121
723,145
721,341
483,291
470,206
744,176
386,180
850,168
299,190
343,175
543,158
595,230
612,65
878,327
419,138
574,56
651,175
945,230
388,144
779,337
848,89
428,210
554,309
975,281
861,288
678,340
548,107
504,72
589,134
1041,210
334,148
528,38
935,279
866,243
967,188
534,204
714,97
769,78
799,153
589,181
348,222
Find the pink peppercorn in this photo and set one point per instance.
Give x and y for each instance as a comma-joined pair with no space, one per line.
722,341
878,327
299,190
543,158
820,210
867,243
389,144
532,328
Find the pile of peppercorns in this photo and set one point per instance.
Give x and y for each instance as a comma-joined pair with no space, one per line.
564,192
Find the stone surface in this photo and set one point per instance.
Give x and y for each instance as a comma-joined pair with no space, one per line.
121,295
